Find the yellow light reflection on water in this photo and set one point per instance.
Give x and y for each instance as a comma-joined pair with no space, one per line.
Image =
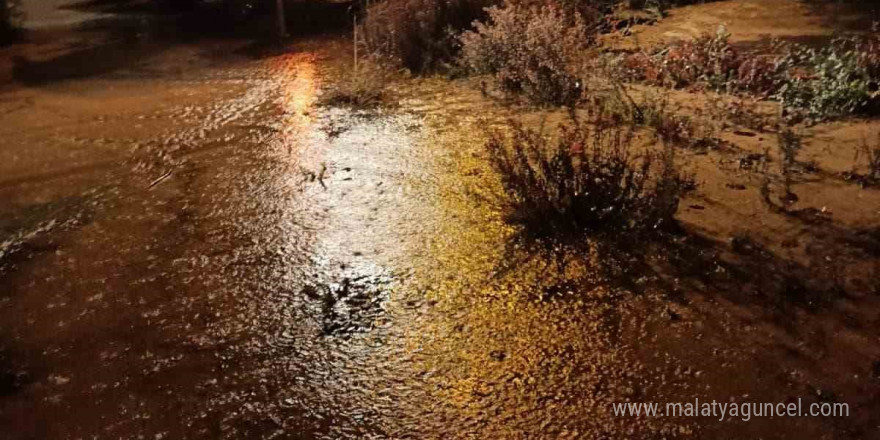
301,87
296,76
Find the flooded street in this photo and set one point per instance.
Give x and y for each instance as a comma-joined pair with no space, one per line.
191,246
210,253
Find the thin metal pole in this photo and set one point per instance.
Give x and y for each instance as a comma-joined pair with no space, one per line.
355,45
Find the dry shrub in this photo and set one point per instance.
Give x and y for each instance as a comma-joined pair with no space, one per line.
585,180
530,50
364,87
709,61
420,34
758,75
684,63
655,111
641,67
708,58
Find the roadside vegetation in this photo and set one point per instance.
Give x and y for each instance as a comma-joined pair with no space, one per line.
529,50
587,178
365,86
546,51
833,81
420,35
423,35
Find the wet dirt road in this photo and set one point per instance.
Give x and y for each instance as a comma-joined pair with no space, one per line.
196,249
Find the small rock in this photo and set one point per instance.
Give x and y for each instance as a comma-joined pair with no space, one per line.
58,380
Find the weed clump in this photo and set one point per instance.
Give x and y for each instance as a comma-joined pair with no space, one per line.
833,81
586,180
709,61
655,111
362,88
420,35
839,79
529,50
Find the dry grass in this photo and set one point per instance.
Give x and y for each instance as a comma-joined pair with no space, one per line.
362,88
873,158
651,109
870,155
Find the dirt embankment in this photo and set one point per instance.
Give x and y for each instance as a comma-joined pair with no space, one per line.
753,22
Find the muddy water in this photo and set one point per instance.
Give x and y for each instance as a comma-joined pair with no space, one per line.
207,252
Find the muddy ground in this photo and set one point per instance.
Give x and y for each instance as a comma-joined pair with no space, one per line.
193,247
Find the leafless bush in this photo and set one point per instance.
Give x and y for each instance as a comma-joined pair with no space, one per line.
530,50
587,179
420,34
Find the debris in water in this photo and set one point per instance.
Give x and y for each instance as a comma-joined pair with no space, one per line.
160,179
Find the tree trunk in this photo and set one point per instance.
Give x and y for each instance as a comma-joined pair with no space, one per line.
5,20
282,25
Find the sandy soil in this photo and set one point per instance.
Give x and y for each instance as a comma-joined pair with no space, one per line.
753,22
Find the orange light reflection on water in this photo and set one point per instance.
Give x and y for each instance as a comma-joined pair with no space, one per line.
300,91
